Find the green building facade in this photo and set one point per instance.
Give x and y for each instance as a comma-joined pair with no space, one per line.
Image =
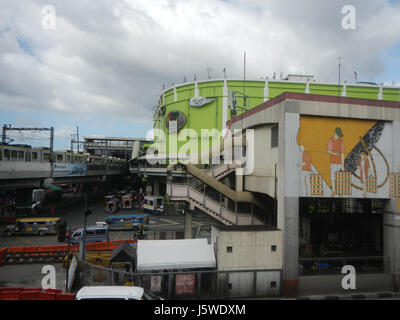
175,101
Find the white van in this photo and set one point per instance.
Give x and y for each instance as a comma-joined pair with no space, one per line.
93,234
115,293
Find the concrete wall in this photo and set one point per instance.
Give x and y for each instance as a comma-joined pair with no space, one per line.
250,250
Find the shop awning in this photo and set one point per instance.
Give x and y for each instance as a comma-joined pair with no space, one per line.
156,255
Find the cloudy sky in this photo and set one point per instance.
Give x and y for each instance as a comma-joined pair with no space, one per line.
103,66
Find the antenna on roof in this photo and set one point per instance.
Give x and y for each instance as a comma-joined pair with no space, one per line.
355,75
224,71
208,72
184,79
244,79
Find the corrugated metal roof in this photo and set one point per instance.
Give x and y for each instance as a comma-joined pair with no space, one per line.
174,254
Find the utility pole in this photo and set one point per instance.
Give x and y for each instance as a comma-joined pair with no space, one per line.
75,140
8,127
77,135
86,214
51,150
339,78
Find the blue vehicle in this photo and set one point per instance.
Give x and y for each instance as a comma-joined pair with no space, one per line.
134,221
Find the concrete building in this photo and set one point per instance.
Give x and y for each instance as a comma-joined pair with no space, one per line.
249,248
336,181
322,165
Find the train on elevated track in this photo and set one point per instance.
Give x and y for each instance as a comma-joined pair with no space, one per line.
24,162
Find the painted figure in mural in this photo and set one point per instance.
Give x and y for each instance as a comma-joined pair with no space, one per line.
305,165
335,149
363,166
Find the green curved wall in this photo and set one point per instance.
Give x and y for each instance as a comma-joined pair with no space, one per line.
210,115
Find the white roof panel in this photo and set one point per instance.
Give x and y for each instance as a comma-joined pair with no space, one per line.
174,254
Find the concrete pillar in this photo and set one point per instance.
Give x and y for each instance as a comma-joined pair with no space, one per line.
391,239
188,223
291,246
288,196
239,183
156,187
149,187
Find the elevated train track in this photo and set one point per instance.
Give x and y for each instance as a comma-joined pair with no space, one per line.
22,166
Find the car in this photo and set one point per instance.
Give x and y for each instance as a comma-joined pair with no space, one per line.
115,293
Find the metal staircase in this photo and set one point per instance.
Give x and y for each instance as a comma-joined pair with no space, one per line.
202,201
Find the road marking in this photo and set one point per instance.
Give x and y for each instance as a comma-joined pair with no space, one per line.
169,221
24,240
119,233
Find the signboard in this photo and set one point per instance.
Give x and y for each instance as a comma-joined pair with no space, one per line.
69,170
185,284
155,284
200,101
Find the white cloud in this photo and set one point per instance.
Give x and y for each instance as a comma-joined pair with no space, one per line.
111,57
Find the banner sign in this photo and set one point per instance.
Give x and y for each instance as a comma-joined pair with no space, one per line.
184,284
69,170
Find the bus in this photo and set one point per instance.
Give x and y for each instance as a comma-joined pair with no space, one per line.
33,226
128,222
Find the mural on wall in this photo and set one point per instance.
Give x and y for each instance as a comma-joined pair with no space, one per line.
343,157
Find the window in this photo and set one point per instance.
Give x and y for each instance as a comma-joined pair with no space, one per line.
13,154
34,155
68,158
60,157
20,154
273,248
229,249
273,284
6,154
274,137
1,155
46,156
101,231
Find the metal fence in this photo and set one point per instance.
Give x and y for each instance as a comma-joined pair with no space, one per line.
320,266
186,285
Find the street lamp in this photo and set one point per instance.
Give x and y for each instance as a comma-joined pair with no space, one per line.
86,214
